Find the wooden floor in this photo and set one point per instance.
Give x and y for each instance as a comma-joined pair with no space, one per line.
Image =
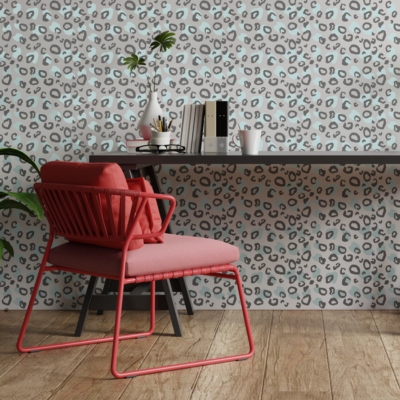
305,355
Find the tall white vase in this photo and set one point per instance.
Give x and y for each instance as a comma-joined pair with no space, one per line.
152,110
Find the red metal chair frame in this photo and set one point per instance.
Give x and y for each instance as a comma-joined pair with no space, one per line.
75,212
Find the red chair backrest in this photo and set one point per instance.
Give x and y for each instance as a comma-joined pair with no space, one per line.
75,212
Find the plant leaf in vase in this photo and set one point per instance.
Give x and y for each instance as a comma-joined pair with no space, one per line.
164,40
133,62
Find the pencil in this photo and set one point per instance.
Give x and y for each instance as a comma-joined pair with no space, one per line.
155,124
170,124
159,121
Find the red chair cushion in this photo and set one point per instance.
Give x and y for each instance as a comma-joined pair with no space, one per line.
177,253
150,220
106,175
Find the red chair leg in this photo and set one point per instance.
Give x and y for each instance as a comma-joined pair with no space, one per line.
118,322
33,297
117,337
78,342
132,374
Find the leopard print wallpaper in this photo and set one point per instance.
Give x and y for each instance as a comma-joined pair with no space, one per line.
312,75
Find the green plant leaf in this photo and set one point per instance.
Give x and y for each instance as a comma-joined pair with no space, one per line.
29,198
164,41
5,204
5,245
133,62
17,153
8,247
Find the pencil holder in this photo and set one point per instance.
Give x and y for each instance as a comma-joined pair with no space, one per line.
160,138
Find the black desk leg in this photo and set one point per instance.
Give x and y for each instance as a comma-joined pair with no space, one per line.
86,305
173,312
163,213
106,290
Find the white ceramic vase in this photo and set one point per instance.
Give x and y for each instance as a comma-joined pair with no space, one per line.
152,110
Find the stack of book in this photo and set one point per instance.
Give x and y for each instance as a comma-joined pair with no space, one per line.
192,127
216,115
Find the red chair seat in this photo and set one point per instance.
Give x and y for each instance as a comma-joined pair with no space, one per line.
177,253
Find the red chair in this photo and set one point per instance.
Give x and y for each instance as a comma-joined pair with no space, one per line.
76,212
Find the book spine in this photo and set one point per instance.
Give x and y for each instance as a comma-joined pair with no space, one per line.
182,127
191,128
200,138
222,118
186,113
211,112
195,129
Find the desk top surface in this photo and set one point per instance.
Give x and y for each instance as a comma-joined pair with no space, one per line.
263,157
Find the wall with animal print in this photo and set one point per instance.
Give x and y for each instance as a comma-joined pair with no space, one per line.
312,75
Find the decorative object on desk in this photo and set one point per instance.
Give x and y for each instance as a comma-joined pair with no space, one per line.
156,148
152,109
163,41
173,142
27,202
192,127
160,138
131,145
216,132
211,113
216,144
222,118
161,131
249,141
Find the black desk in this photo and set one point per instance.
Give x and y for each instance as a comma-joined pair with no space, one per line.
264,157
141,164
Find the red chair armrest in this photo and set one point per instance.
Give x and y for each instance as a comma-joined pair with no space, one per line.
145,197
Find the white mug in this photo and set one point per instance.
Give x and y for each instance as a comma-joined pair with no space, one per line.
249,141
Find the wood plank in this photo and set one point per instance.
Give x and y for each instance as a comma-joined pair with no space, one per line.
198,334
41,325
388,324
359,366
38,375
6,316
92,379
236,380
297,366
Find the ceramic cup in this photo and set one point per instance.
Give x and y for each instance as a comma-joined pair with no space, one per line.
160,138
249,141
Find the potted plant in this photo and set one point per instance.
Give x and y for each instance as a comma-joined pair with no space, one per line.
27,202
163,42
